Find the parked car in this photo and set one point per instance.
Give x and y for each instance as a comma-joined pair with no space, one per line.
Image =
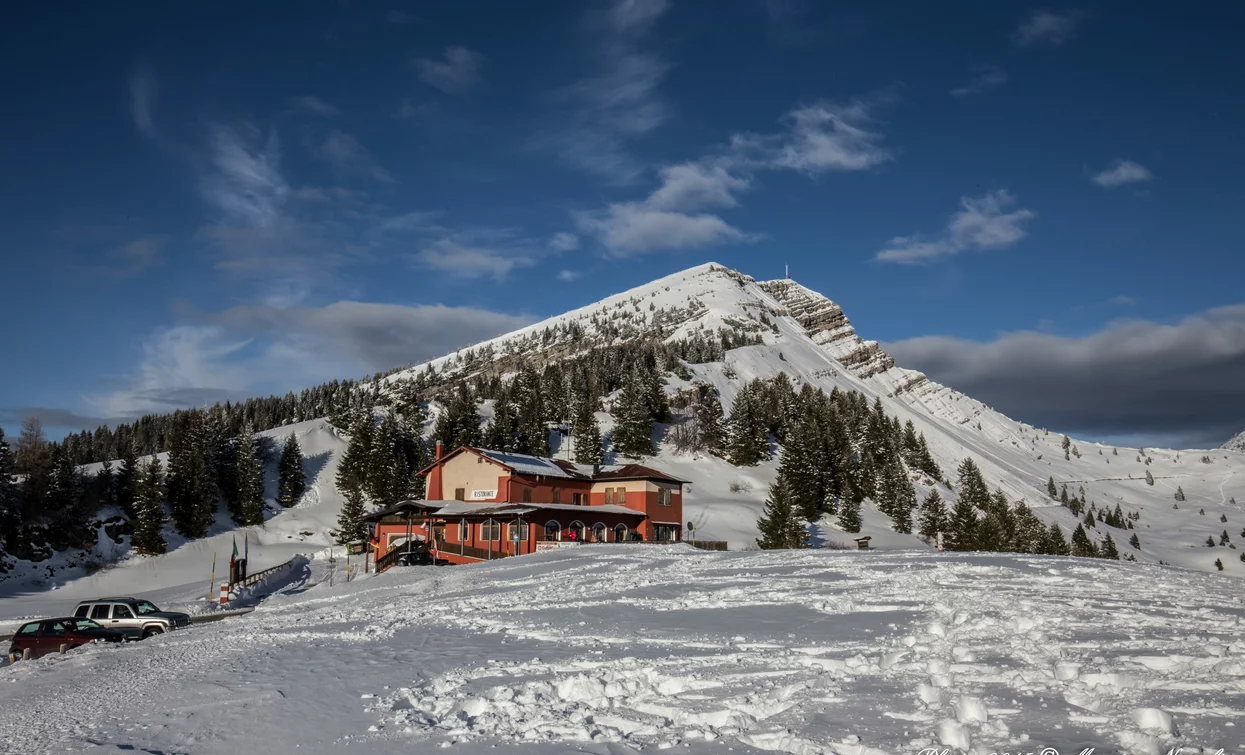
57,635
139,619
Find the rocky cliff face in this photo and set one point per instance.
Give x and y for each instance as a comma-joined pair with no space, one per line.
825,323
1237,443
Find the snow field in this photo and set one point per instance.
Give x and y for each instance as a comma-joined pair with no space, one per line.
628,648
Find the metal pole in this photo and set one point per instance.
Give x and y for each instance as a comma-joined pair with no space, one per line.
212,583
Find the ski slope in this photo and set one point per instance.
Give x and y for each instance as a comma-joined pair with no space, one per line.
618,649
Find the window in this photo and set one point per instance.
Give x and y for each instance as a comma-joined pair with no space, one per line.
99,612
53,629
553,530
121,612
620,496
144,607
29,629
460,494
598,533
490,530
82,611
520,528
578,499
664,533
664,496
575,532
620,533
609,496
557,495
527,495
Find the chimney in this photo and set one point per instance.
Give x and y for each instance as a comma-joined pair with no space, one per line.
596,469
440,449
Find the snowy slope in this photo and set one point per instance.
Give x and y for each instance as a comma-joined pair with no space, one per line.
180,577
614,650
1237,442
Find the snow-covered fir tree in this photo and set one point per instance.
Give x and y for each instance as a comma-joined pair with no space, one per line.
191,490
633,424
963,526
934,517
250,481
350,525
1179,493
291,480
748,442
148,539
587,434
1081,544
781,526
896,495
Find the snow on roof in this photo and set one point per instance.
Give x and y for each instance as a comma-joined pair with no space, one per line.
529,465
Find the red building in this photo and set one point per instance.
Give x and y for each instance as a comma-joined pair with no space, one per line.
484,504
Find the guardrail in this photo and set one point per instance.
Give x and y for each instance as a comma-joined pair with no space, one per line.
252,579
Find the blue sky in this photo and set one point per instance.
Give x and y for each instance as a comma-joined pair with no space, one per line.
217,202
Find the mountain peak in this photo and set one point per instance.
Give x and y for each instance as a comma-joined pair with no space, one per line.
1235,443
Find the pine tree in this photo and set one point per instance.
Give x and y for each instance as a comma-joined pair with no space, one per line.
148,539
934,518
352,469
1081,544
350,525
711,423
1108,549
1135,541
849,514
780,524
66,503
896,496
1051,489
10,510
1210,542
190,489
748,443
588,447
1179,493
925,460
291,481
1056,544
1149,478
964,526
633,425
972,486
1219,564
1030,534
800,468
127,480
250,481
458,424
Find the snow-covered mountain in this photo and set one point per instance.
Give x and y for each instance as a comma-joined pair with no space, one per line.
1235,443
809,337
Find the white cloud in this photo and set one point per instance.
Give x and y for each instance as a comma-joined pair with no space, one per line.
692,186
1046,27
1121,173
314,106
635,228
245,182
986,79
564,242
1132,377
458,72
465,261
142,100
821,137
980,225
1122,299
347,155
138,255
255,350
567,276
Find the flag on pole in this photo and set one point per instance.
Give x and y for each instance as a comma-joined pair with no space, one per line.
233,557
246,545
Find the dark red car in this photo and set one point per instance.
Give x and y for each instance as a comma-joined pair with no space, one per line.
54,635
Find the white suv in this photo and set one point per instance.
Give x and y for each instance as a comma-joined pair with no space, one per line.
139,619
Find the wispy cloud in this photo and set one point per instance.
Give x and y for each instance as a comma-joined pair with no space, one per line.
986,80
138,256
1048,27
245,183
568,276
463,261
696,185
347,155
982,224
142,101
619,103
1122,173
314,106
822,137
564,242
456,73
626,228
1124,300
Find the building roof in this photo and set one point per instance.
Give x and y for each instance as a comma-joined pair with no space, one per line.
632,472
533,465
462,508
542,466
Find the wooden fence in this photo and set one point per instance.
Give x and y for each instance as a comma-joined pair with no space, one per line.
252,579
